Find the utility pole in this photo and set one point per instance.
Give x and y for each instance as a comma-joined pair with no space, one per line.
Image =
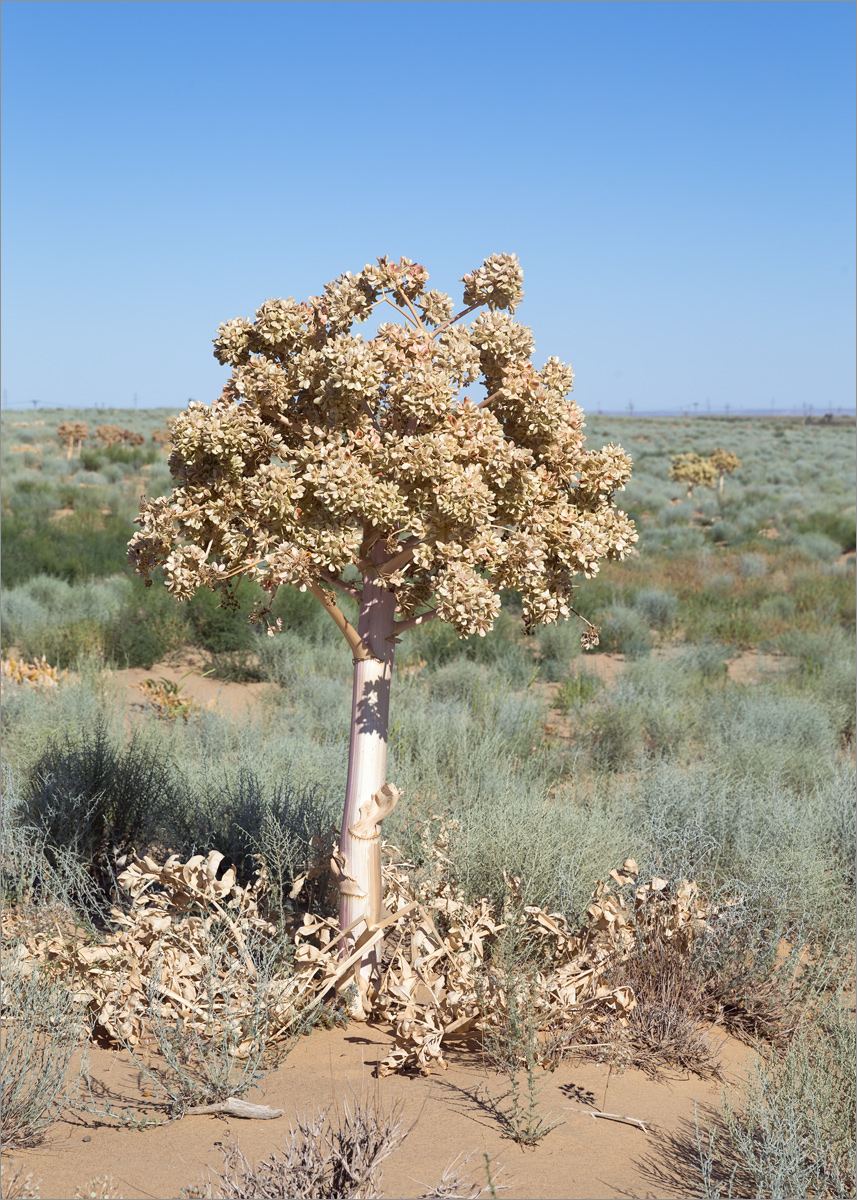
135,399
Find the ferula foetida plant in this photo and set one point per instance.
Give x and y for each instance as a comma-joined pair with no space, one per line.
355,466
693,471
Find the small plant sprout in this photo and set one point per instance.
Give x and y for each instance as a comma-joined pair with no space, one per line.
353,468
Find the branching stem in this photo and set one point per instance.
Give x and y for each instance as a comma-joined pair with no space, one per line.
487,399
327,600
413,622
347,589
452,320
407,317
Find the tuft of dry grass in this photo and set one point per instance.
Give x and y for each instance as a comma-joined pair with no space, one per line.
457,1182
15,1185
327,1158
664,1029
103,1188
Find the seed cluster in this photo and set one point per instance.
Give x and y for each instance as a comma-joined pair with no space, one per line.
324,444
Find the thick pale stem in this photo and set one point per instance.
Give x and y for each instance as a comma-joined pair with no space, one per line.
360,887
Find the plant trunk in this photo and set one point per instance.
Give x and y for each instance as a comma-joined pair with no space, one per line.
360,887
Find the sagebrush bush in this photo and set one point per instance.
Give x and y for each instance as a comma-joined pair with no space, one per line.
331,1157
101,800
617,733
771,734
658,608
44,1029
625,631
792,1133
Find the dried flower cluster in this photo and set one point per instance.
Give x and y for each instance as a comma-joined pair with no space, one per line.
724,462
162,437
692,470
327,451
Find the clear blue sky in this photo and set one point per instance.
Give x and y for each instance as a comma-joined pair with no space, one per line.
676,178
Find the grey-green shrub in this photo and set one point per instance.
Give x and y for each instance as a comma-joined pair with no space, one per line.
48,1029
794,1134
625,631
760,735
656,607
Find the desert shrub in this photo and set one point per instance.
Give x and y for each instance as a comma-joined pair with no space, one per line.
44,1029
825,664
457,679
665,1027
841,528
703,822
558,645
767,734
503,648
625,631
209,1059
330,1158
80,547
291,659
249,822
39,879
95,458
794,1132
617,732
676,514
513,1046
777,608
664,693
753,566
100,800
92,459
30,610
715,579
835,690
817,546
576,690
707,659
656,607
222,629
65,644
149,627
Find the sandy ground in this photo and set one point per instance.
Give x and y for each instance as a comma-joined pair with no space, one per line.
232,699
583,1157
